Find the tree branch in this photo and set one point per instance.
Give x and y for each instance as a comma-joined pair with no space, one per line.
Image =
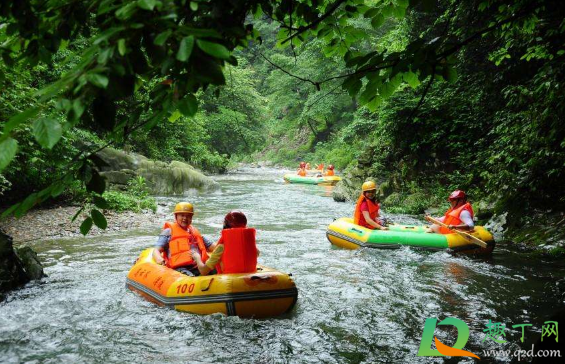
304,28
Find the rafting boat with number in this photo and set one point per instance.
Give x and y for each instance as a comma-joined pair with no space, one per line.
322,180
344,233
265,293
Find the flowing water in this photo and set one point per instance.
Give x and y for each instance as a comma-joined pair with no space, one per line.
366,305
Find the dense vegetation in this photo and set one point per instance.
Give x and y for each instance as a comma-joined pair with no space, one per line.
355,83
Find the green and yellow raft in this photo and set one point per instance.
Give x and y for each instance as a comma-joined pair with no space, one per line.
324,180
344,233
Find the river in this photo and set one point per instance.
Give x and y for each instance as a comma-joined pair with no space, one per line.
366,305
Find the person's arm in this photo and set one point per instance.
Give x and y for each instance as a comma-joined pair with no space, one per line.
161,245
213,259
372,222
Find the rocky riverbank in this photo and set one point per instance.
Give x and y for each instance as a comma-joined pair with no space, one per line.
55,223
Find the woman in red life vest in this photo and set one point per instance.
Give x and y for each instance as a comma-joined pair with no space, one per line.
367,209
179,240
459,216
330,171
235,252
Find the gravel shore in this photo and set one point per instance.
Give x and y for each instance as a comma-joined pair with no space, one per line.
56,223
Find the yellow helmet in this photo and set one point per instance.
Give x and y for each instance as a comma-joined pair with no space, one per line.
184,207
369,186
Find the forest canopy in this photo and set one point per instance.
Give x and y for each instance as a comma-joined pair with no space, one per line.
113,71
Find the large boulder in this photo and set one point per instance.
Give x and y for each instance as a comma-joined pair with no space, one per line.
161,178
13,271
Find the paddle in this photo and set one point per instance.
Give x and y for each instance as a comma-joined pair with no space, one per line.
468,236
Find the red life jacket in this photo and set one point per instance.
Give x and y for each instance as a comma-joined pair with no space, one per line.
330,172
452,217
179,245
240,251
373,212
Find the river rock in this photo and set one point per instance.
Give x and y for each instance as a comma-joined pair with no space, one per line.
12,271
161,178
30,262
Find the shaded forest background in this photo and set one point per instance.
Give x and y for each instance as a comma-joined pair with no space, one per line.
495,129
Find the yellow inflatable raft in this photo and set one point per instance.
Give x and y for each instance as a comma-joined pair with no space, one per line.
266,293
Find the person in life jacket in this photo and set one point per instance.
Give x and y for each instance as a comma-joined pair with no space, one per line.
367,210
302,170
179,241
235,251
320,167
459,216
330,171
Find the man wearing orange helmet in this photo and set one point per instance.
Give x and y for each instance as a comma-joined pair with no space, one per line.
367,209
178,239
330,171
459,216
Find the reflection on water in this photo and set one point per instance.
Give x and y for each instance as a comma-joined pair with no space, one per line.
354,306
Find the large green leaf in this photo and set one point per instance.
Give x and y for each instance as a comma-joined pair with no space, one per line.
19,118
98,80
97,183
8,149
188,105
214,49
47,132
147,4
99,219
185,48
86,226
162,37
100,202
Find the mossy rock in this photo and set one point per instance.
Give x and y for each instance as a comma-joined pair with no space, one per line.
12,273
394,199
175,178
30,262
416,203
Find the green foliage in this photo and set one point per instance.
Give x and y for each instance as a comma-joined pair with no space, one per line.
120,201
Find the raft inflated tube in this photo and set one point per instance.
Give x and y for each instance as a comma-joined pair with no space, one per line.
324,180
344,233
265,293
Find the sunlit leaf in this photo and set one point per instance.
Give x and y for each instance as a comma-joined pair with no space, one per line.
185,48
47,132
8,149
214,49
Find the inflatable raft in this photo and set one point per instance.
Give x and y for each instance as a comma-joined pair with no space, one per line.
266,293
325,180
345,234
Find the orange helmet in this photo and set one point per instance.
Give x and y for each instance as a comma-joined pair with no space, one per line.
184,208
369,186
235,219
331,166
457,194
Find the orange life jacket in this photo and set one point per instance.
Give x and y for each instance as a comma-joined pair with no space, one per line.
330,172
452,217
240,251
179,245
373,212
301,172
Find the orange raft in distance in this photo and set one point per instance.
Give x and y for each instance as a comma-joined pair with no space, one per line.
265,293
